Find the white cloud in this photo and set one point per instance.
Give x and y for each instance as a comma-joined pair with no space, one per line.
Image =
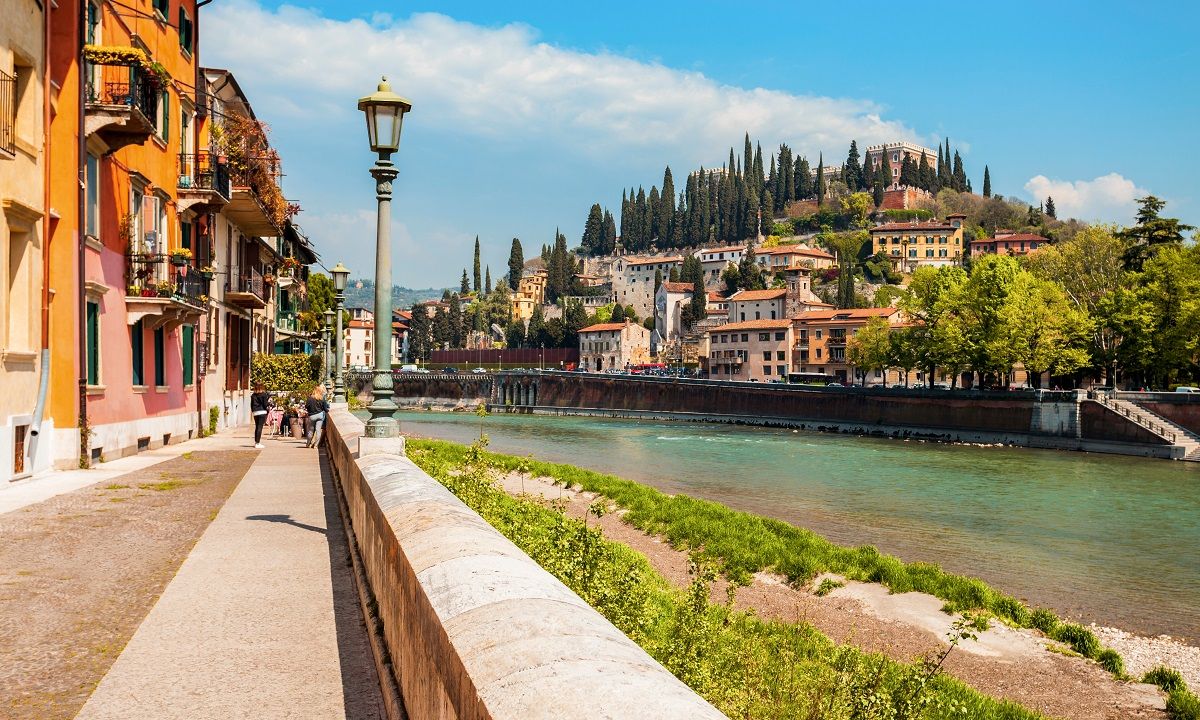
501,83
1109,197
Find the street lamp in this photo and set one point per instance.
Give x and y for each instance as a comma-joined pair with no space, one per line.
326,334
384,111
341,275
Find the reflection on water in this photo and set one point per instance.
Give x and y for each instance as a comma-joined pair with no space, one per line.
1100,538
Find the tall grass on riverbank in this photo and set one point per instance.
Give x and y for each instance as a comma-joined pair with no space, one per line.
741,544
747,667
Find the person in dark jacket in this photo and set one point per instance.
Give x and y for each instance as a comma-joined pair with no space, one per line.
316,407
260,404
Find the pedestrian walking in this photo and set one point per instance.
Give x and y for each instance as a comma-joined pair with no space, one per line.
316,407
260,405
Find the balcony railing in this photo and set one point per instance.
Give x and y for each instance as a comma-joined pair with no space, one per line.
201,171
251,282
122,85
151,275
8,113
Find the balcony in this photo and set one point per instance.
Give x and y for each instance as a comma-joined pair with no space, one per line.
121,104
159,290
247,208
247,290
203,182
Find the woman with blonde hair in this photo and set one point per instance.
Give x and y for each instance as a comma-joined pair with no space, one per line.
316,407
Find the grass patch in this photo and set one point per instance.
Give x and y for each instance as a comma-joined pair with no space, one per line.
1167,679
187,455
746,666
116,486
741,544
163,486
118,499
827,586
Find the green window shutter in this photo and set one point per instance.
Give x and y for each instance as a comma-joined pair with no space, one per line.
189,345
185,235
160,350
166,115
136,335
93,343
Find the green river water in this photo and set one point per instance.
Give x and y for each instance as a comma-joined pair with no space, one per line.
1098,538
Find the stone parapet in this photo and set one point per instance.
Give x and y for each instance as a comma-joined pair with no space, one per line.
474,628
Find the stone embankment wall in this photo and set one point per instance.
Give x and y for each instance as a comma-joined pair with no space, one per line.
474,628
1049,419
442,391
1180,408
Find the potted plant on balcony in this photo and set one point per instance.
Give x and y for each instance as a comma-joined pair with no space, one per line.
180,256
268,279
165,288
207,272
133,291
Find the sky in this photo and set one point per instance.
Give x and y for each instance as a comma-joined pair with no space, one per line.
526,113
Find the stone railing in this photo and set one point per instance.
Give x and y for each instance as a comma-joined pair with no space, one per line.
474,628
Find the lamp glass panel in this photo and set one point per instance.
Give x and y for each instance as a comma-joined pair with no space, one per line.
385,128
369,111
339,280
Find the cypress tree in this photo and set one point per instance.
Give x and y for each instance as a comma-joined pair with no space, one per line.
654,215
925,176
478,280
885,171
960,176
987,182
787,174
908,172
516,264
487,283
1050,211
667,202
773,181
658,280
592,241
852,170
802,181
609,234
641,220
624,234
618,313
758,167
820,179
877,190
941,171
748,162
465,286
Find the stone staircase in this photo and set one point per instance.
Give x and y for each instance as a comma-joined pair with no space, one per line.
1175,434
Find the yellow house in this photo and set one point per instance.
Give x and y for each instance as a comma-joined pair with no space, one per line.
531,292
24,448
909,245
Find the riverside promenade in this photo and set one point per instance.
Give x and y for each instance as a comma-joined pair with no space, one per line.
261,619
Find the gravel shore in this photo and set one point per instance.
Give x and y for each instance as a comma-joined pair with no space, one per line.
1143,653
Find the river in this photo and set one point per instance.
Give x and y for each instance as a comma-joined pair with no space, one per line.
1098,538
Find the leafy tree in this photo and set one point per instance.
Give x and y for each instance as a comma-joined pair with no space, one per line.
618,313
871,347
1150,232
858,207
478,285
731,277
516,264
514,334
1047,333
574,319
1170,287
419,333
536,329
750,276
693,272
886,295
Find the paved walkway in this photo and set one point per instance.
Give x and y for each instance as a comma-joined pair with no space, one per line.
262,619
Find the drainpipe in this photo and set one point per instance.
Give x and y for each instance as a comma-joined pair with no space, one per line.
85,459
44,362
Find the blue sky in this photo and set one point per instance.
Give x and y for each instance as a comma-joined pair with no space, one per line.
526,113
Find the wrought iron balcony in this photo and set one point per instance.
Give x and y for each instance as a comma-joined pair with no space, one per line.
8,113
247,290
203,180
171,293
121,104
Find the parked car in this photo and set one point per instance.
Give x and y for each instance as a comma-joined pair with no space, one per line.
449,369
479,371
423,371
409,368
834,384
1187,389
941,386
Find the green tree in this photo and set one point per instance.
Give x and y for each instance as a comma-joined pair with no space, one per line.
909,174
820,181
926,177
931,301
1050,211
1150,232
1046,332
593,232
514,334
870,348
987,182
887,295
1170,286
455,334
658,280
419,333
478,285
693,272
750,275
852,173
857,207
618,313
731,277
464,287
516,264
487,283
536,330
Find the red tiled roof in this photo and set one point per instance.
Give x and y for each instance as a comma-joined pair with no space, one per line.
604,327
678,287
1018,237
793,250
716,297
753,325
742,295
903,227
850,314
655,261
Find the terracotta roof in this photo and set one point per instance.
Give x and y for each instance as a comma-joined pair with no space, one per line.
605,327
678,287
793,250
753,325
716,297
730,248
850,314
655,261
364,324
742,295
1019,237
902,227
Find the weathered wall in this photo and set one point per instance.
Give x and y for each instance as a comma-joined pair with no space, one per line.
1180,408
475,629
465,389
1098,422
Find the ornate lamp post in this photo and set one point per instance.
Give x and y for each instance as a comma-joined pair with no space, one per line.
327,351
385,113
340,274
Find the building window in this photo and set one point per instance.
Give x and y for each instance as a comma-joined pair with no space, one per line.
93,343
163,8
764,337
818,334
779,336
160,351
766,354
745,337
778,354
189,347
781,370
929,252
136,353
818,353
164,115
93,22
185,31
93,196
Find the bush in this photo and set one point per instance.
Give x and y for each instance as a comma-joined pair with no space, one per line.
289,373
1111,661
1079,638
1044,620
1167,679
1182,705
